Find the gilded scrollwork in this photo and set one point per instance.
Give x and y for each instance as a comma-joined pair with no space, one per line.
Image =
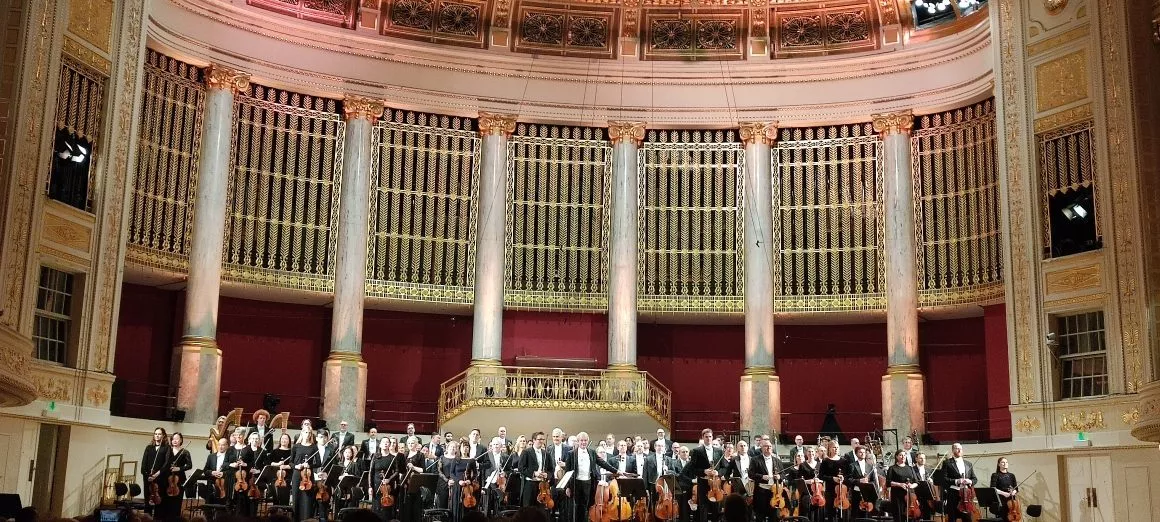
220,77
354,107
1027,425
621,131
496,124
894,123
1082,421
761,132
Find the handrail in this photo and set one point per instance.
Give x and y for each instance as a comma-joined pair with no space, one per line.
555,388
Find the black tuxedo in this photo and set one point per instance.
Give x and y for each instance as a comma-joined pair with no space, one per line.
480,449
367,453
438,451
701,458
950,474
761,496
342,440
629,462
267,437
584,487
668,446
528,467
652,469
854,476
565,451
795,450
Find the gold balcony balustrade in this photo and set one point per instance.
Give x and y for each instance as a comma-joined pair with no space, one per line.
555,389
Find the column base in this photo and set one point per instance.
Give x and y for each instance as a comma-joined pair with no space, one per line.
760,401
199,384
344,390
903,400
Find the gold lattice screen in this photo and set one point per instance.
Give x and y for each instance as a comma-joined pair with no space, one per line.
689,255
828,183
283,197
422,207
167,159
558,180
80,99
956,188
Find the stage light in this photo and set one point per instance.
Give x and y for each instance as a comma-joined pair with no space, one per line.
1077,210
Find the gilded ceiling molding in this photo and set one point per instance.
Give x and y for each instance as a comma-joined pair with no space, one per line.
620,131
219,77
894,123
354,107
496,124
759,132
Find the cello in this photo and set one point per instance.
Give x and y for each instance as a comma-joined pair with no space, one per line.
967,502
913,510
617,509
664,509
598,508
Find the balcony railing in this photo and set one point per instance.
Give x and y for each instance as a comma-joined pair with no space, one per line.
555,389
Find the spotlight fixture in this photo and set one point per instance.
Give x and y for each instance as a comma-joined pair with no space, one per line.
967,4
936,6
1077,210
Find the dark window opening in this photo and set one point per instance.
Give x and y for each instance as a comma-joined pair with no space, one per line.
1073,222
69,179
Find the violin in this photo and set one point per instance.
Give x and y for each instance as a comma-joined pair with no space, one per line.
817,494
693,498
255,492
913,510
545,496
842,494
220,484
385,497
778,501
716,492
241,483
323,494
280,478
305,484
174,488
664,509
154,493
468,493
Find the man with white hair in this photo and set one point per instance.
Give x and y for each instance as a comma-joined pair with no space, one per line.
583,463
667,441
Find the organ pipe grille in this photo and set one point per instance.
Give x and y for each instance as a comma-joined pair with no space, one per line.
283,197
422,208
828,185
689,226
558,182
167,160
957,206
80,99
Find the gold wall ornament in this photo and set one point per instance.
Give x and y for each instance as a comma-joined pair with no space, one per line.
1054,7
1027,425
496,124
354,107
52,388
221,77
92,21
1074,279
84,55
97,395
760,132
1063,118
894,123
1082,421
1061,81
619,131
1131,416
1058,40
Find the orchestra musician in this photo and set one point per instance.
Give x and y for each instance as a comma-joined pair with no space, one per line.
458,472
807,472
765,471
351,467
923,474
265,434
327,455
910,452
342,438
667,442
238,461
282,457
702,461
369,449
831,469
450,454
903,481
1005,487
559,452
153,462
585,466
533,465
179,462
413,463
798,448
475,447
387,468
860,477
305,459
740,463
957,474
656,465
217,466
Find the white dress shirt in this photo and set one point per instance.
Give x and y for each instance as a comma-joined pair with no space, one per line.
583,465
221,459
539,459
744,468
660,464
769,469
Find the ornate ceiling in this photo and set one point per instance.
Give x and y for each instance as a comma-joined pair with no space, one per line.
648,29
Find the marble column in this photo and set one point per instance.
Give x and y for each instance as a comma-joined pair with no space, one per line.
487,326
626,137
902,386
344,375
199,382
760,387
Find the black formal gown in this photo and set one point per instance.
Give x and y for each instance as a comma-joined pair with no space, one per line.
1002,482
898,496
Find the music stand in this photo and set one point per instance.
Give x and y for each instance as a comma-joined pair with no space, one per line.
632,488
421,480
987,497
738,486
565,480
673,484
267,475
803,489
869,492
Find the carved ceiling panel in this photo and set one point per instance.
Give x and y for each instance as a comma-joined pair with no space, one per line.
456,22
549,28
716,34
340,13
822,29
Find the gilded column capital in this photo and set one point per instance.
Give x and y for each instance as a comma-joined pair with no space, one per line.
219,77
618,131
894,123
356,107
496,124
758,132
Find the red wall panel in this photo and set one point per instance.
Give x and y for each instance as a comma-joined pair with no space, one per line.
555,335
953,360
272,347
998,378
146,334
